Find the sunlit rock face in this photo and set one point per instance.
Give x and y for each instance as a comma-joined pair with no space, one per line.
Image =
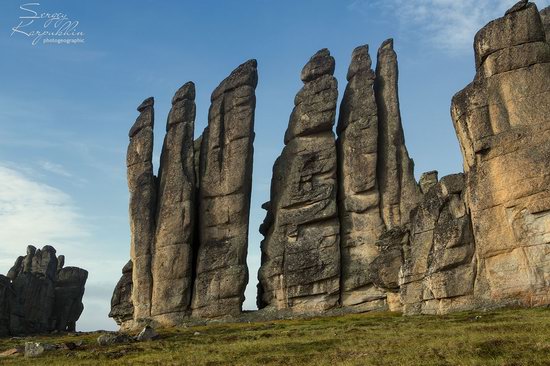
172,256
301,250
439,266
377,188
503,126
143,197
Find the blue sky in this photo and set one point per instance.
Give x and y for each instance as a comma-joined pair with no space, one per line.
65,110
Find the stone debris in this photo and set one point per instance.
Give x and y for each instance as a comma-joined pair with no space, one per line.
36,349
147,334
109,339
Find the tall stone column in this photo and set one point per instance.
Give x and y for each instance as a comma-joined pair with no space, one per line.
359,197
173,255
301,251
399,192
224,196
143,195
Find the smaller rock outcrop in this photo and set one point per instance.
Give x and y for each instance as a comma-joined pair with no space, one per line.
439,266
69,290
40,295
5,296
122,307
147,334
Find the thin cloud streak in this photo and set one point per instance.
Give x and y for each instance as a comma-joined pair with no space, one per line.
34,212
55,168
449,25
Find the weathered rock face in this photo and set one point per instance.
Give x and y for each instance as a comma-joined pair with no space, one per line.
301,250
399,192
39,295
224,196
69,290
545,17
347,224
376,179
439,266
122,307
359,196
503,125
173,255
143,197
190,226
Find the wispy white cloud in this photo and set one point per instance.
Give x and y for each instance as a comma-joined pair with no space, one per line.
448,24
34,212
55,168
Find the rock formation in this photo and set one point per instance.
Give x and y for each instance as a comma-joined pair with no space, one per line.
224,196
439,266
545,17
40,295
173,249
143,197
122,307
399,192
376,179
359,197
502,122
6,293
162,218
189,226
301,250
347,225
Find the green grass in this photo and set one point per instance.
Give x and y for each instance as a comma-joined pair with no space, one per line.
506,337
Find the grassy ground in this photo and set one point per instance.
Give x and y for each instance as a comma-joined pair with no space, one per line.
507,337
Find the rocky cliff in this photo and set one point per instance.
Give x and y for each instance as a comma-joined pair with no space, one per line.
502,122
40,295
347,225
